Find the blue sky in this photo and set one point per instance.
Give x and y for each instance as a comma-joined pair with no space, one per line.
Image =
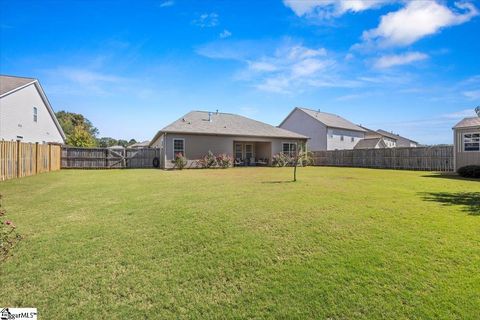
133,67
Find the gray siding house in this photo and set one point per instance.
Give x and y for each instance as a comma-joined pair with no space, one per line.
25,112
247,141
326,131
466,137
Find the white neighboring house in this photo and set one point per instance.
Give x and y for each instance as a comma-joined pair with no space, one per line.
327,131
388,141
25,112
401,142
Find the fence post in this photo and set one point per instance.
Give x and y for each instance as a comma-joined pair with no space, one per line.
36,157
18,158
49,157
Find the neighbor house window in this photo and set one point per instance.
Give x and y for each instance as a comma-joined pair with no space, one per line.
178,147
35,114
353,139
289,148
471,142
342,138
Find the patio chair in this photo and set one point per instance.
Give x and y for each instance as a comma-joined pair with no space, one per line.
239,162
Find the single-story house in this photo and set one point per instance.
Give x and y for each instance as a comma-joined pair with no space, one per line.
389,141
248,141
371,143
401,142
326,131
25,112
466,137
140,145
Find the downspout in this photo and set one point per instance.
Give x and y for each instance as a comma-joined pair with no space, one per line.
164,147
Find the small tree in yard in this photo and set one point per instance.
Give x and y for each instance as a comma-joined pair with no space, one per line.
302,158
8,233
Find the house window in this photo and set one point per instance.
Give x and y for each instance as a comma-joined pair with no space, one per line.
35,114
238,151
178,147
353,139
342,138
248,151
471,142
289,148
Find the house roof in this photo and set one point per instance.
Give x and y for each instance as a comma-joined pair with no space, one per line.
370,143
468,122
393,135
196,122
10,83
330,120
140,144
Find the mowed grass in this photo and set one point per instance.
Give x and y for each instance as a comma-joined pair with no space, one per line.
340,243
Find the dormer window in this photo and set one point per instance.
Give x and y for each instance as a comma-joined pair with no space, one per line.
35,114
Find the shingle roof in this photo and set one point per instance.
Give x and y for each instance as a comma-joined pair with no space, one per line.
196,122
393,135
9,83
332,120
368,143
468,122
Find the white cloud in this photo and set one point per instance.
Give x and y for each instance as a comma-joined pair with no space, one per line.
458,115
388,61
225,34
206,20
325,9
472,94
167,3
417,20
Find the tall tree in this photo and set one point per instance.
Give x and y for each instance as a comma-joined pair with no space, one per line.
79,130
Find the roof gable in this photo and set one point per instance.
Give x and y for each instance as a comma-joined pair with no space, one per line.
371,143
330,120
11,83
468,122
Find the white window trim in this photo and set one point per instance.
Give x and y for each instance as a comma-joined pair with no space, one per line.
173,146
245,150
463,142
289,149
242,155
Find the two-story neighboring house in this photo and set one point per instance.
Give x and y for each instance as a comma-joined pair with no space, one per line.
25,112
327,131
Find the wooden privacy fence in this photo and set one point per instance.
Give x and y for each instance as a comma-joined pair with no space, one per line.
104,158
422,158
19,159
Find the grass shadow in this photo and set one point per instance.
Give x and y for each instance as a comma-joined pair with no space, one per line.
470,201
279,181
448,175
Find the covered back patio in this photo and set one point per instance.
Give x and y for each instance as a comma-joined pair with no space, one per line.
252,153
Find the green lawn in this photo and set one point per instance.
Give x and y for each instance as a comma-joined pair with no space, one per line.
244,243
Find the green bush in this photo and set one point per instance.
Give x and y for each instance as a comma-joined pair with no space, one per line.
8,233
180,161
472,171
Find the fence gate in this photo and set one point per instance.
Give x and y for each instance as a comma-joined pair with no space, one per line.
104,158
